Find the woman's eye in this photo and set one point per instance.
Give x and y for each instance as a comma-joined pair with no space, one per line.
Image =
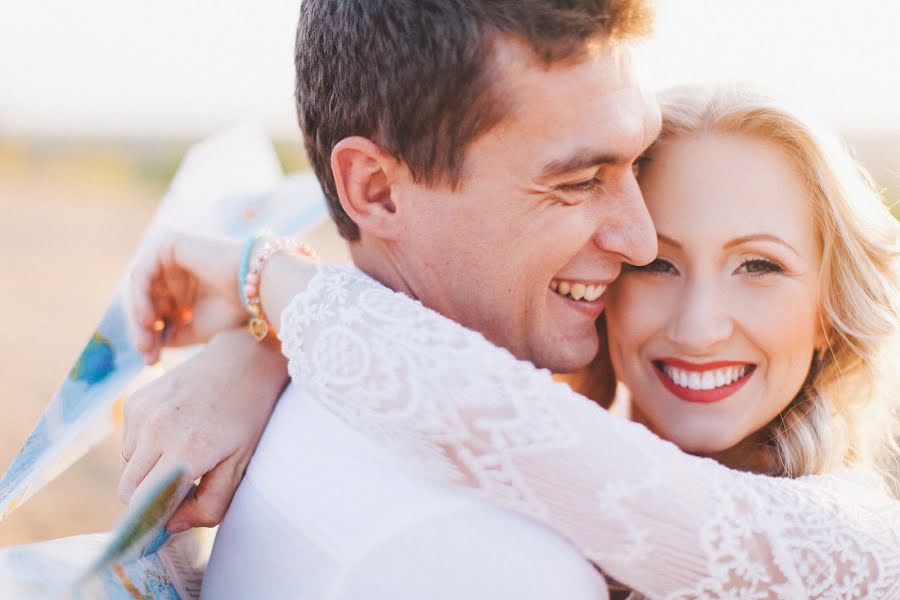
638,164
760,266
659,265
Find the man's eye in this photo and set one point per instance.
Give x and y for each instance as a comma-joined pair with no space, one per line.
760,266
659,265
583,186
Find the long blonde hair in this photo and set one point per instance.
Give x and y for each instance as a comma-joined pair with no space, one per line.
845,413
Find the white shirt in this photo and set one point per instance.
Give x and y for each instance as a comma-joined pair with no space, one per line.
323,512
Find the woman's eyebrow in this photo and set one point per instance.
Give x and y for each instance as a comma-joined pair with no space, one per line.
757,237
667,240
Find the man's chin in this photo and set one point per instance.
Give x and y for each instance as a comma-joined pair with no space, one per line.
570,355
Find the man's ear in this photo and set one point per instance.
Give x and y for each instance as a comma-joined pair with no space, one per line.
363,173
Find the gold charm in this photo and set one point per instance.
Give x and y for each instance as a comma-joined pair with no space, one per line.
259,329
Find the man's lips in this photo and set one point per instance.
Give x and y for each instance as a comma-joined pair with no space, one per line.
591,309
584,295
703,382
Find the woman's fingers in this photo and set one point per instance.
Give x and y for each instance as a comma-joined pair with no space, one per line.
162,469
207,507
138,465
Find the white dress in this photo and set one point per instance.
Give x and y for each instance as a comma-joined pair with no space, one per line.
662,522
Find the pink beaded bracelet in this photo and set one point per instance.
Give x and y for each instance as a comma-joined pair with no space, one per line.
259,325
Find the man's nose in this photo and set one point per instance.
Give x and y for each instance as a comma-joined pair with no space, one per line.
701,322
626,228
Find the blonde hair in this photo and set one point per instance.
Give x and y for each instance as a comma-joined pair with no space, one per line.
845,413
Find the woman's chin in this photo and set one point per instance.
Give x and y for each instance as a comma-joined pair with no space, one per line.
702,441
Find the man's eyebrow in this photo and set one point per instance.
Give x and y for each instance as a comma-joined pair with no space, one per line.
759,236
583,159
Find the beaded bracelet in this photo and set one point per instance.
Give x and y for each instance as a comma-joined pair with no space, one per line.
244,265
250,276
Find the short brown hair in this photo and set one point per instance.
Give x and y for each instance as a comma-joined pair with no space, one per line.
414,76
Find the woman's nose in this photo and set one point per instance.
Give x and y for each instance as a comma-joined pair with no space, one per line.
702,321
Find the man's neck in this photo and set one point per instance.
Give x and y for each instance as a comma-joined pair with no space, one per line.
381,267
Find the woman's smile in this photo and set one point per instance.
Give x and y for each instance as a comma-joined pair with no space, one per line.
706,382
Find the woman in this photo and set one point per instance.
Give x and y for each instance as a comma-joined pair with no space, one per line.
758,338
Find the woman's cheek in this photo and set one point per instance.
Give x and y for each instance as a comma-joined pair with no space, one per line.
784,315
638,305
781,321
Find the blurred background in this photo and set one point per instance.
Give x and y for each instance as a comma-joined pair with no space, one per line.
99,100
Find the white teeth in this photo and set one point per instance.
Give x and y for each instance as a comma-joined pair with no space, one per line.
694,380
577,291
594,292
706,380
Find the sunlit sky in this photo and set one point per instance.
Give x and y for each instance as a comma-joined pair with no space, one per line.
188,67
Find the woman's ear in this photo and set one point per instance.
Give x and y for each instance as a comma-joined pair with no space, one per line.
363,173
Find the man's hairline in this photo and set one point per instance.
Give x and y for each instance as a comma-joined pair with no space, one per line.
494,39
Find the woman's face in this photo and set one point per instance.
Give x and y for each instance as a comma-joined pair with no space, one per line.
715,337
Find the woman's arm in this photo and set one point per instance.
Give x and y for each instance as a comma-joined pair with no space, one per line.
208,413
664,523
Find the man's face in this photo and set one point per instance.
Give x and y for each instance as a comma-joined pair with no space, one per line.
547,212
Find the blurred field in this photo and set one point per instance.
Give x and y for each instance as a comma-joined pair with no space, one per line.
71,214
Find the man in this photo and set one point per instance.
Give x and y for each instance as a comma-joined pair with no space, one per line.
471,152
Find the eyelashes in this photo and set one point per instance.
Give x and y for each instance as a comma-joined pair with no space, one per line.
658,265
584,186
760,266
754,267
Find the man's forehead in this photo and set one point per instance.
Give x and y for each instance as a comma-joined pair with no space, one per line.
610,64
597,103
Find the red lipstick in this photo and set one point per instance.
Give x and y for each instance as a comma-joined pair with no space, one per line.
702,396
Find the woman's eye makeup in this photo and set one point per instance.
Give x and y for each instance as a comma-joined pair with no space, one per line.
760,266
657,266
638,164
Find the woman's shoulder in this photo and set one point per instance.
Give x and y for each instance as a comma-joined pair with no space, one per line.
857,483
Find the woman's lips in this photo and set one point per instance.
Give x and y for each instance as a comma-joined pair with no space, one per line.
704,396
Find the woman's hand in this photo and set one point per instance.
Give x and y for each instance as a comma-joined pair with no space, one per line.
207,414
182,291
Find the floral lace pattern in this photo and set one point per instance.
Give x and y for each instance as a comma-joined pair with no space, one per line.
664,523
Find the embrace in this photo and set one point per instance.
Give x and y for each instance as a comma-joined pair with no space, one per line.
593,343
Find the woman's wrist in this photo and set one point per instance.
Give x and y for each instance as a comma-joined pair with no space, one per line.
286,276
259,251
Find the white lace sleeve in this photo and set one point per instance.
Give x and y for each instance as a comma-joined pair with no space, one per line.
666,524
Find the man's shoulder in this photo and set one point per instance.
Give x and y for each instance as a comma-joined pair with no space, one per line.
329,477
388,531
482,552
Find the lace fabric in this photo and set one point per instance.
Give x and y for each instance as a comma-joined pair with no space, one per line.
664,523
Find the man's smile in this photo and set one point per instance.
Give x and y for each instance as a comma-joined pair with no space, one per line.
578,290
